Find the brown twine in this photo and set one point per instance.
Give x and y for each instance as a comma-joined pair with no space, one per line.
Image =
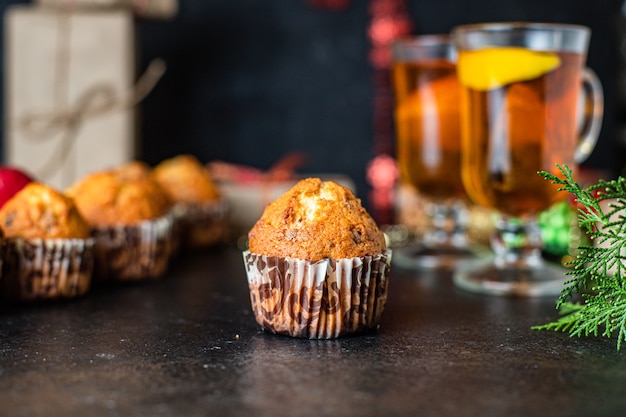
97,100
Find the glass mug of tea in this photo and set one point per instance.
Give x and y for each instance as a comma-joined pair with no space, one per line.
428,148
527,103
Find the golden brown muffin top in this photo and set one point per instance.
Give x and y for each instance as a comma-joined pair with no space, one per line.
40,211
106,199
186,180
132,170
316,219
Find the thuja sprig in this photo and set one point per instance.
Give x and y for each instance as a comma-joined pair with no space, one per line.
598,272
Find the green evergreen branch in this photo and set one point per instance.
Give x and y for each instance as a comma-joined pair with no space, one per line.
599,272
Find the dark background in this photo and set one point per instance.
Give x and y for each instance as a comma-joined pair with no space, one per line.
250,80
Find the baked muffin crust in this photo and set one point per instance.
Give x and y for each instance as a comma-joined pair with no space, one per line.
316,219
106,199
132,170
186,180
40,211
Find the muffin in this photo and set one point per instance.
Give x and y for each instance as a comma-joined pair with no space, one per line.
317,264
132,170
131,222
200,211
48,251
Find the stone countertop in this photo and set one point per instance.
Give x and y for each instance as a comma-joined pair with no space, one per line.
188,345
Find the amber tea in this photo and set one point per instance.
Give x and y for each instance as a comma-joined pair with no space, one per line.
428,126
428,151
517,128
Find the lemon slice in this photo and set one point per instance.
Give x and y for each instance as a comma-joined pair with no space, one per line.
490,68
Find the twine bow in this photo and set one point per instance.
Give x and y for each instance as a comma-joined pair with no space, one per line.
97,100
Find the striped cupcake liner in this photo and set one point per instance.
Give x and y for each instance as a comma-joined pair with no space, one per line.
38,269
133,252
326,299
200,225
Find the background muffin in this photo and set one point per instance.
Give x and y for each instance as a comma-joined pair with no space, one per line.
199,209
131,222
132,170
106,199
39,211
48,250
186,180
317,263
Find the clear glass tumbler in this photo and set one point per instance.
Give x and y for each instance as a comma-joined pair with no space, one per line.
427,121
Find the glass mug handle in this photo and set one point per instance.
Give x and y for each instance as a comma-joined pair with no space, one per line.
593,110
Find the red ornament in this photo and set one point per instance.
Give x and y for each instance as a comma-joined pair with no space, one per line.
382,172
12,180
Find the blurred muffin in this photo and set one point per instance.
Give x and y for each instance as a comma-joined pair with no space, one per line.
48,250
132,170
107,199
199,209
130,219
317,263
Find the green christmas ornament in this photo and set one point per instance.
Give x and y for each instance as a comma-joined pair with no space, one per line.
559,230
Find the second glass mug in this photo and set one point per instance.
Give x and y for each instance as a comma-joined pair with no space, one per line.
522,86
427,120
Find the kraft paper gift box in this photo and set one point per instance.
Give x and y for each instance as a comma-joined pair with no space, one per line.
65,76
158,9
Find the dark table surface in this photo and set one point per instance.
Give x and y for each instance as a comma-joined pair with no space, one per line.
188,345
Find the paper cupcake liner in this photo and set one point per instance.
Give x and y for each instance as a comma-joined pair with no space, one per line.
200,225
37,269
318,300
133,252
